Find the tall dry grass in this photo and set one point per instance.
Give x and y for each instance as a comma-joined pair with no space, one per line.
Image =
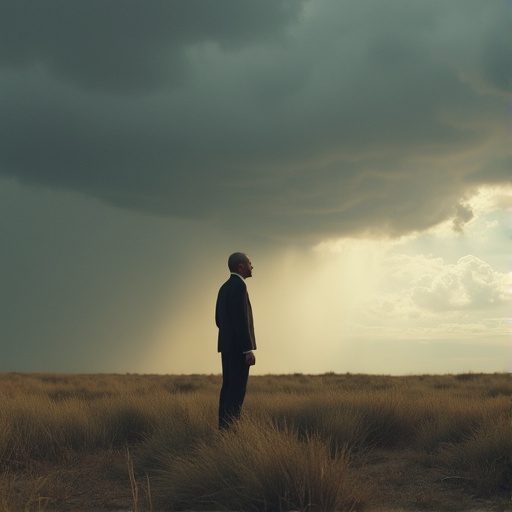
304,442
258,467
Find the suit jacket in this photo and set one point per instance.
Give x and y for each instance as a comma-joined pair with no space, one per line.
233,316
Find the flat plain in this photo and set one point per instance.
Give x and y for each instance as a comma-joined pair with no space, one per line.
305,442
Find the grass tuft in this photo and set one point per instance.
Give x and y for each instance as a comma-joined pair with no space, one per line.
261,467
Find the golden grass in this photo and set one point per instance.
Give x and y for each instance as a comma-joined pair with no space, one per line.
327,442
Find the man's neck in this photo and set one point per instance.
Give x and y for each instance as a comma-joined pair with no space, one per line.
235,274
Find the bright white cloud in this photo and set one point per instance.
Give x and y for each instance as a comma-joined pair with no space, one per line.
410,295
469,284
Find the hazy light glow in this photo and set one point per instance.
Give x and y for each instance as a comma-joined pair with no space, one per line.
367,305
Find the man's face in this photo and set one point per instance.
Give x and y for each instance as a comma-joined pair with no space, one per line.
245,269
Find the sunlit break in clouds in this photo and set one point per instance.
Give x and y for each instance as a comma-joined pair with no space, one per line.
359,152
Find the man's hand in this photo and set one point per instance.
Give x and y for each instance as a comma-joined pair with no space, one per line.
250,359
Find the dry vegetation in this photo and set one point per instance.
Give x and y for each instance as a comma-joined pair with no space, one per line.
328,442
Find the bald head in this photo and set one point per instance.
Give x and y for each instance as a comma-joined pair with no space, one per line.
236,259
240,263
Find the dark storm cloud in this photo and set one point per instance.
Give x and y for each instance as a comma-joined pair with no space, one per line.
129,45
316,118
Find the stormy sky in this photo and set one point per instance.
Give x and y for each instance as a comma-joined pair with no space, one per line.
359,152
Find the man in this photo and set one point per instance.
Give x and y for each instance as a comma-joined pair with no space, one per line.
236,342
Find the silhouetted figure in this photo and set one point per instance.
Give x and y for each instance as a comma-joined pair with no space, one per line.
233,316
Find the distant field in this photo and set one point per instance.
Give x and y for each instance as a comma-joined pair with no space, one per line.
312,443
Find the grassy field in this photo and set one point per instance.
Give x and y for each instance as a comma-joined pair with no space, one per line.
325,442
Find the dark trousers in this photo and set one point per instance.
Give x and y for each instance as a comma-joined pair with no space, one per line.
235,372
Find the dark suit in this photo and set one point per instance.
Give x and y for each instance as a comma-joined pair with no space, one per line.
233,316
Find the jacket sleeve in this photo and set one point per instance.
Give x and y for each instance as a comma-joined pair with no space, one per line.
240,315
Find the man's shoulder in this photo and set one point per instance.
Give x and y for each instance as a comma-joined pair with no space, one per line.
234,282
237,280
